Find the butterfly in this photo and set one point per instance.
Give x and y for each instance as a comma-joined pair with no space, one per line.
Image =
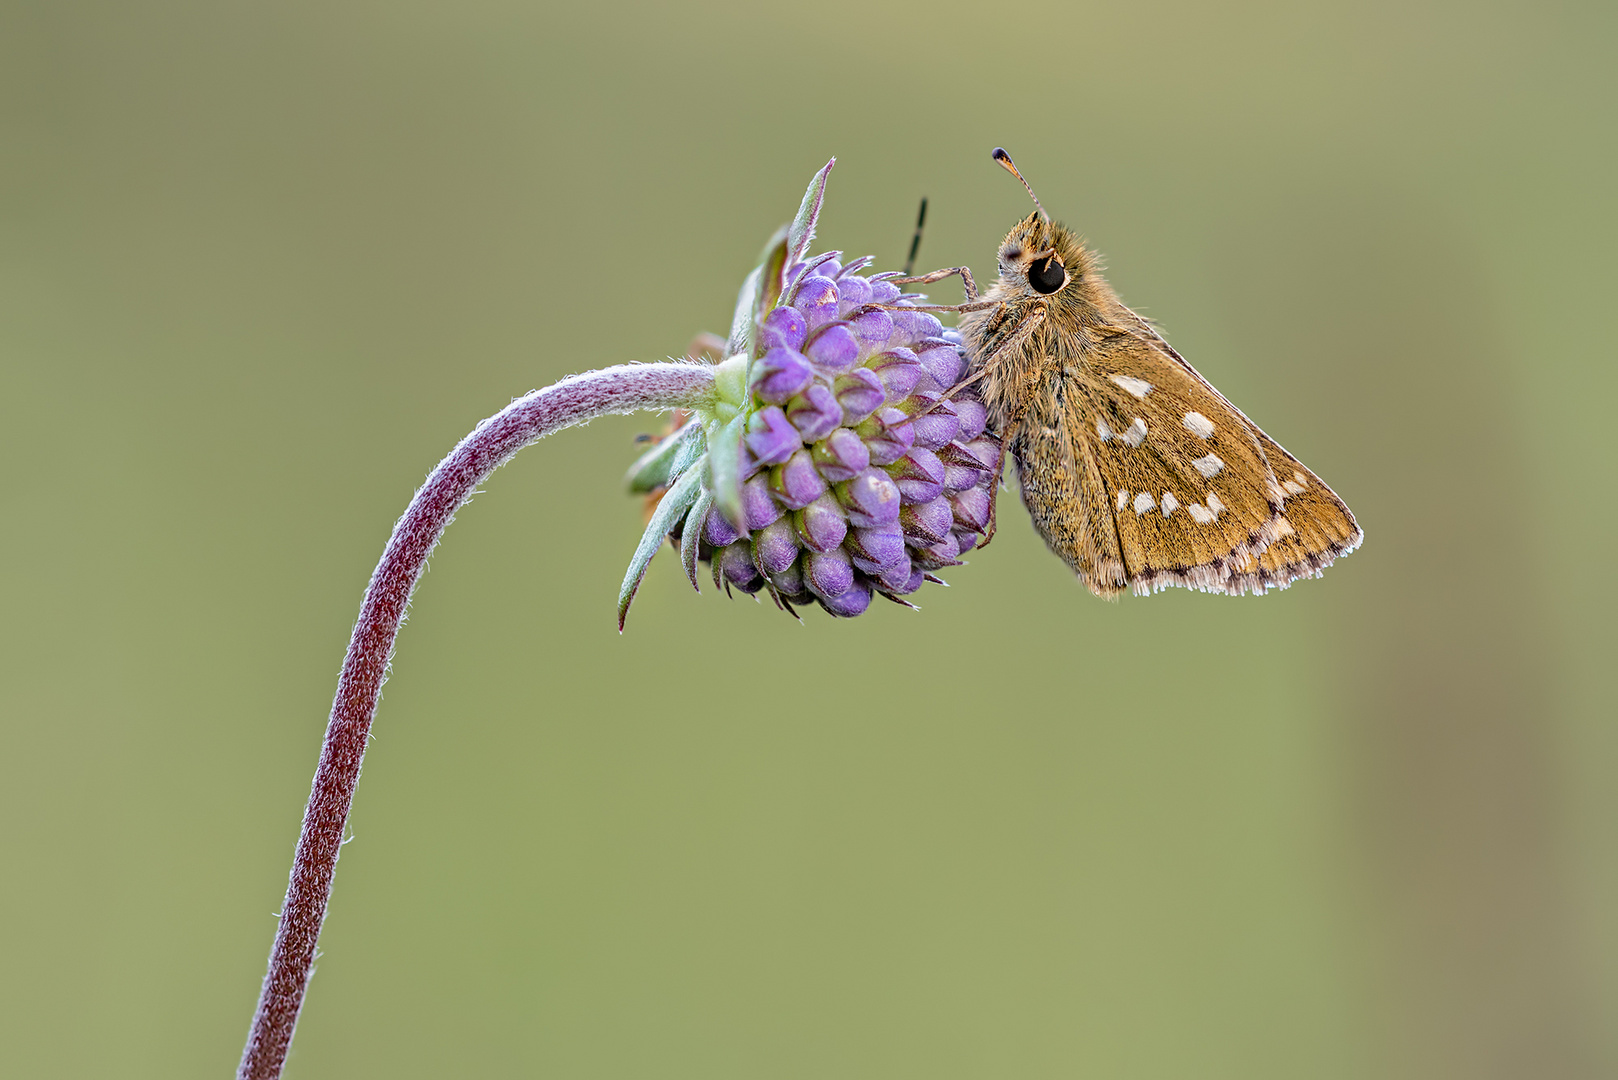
1135,470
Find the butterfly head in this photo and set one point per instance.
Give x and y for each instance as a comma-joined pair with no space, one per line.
1041,258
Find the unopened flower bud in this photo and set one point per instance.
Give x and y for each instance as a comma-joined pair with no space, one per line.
853,465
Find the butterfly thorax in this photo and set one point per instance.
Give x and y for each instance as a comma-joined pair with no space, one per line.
1066,323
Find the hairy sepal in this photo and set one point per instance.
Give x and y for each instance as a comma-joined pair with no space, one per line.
802,229
668,459
676,502
691,536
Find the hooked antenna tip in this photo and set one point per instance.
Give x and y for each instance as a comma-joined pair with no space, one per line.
1010,166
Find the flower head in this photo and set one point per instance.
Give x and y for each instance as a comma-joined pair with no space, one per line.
834,462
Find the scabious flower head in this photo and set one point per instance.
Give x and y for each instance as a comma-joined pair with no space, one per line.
833,463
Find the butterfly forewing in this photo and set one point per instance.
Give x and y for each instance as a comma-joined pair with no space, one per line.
1189,488
1319,526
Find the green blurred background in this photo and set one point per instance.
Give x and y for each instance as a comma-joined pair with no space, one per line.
262,265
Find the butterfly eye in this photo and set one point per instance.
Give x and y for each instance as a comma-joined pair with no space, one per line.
1046,275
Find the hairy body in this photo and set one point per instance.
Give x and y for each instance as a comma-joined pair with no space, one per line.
1135,470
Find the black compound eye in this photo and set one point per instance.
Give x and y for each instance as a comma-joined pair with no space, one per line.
1046,275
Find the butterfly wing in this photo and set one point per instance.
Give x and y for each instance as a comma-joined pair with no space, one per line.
1190,490
1066,496
1135,470
1321,526
1138,473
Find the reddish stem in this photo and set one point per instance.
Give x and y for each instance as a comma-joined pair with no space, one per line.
623,389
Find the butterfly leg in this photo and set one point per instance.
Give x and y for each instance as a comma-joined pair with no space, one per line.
1006,348
948,309
939,275
994,500
1008,436
949,394
1010,424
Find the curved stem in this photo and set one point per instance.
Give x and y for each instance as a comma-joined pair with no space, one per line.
624,389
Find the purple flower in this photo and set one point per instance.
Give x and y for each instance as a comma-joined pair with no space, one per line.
855,470
834,348
781,373
783,328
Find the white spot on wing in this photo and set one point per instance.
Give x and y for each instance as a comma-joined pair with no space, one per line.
1214,504
1170,503
1299,477
1292,487
1144,502
1123,499
1102,429
1135,386
1136,433
1200,514
1198,425
1209,465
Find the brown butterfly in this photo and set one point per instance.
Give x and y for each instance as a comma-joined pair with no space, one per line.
1136,471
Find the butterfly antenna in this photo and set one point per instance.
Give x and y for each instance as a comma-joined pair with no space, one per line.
915,241
1010,166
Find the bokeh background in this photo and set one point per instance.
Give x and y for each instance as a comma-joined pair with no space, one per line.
261,265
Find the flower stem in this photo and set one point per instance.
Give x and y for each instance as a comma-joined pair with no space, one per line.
623,389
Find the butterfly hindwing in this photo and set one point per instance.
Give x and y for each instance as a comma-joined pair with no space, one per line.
1062,488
